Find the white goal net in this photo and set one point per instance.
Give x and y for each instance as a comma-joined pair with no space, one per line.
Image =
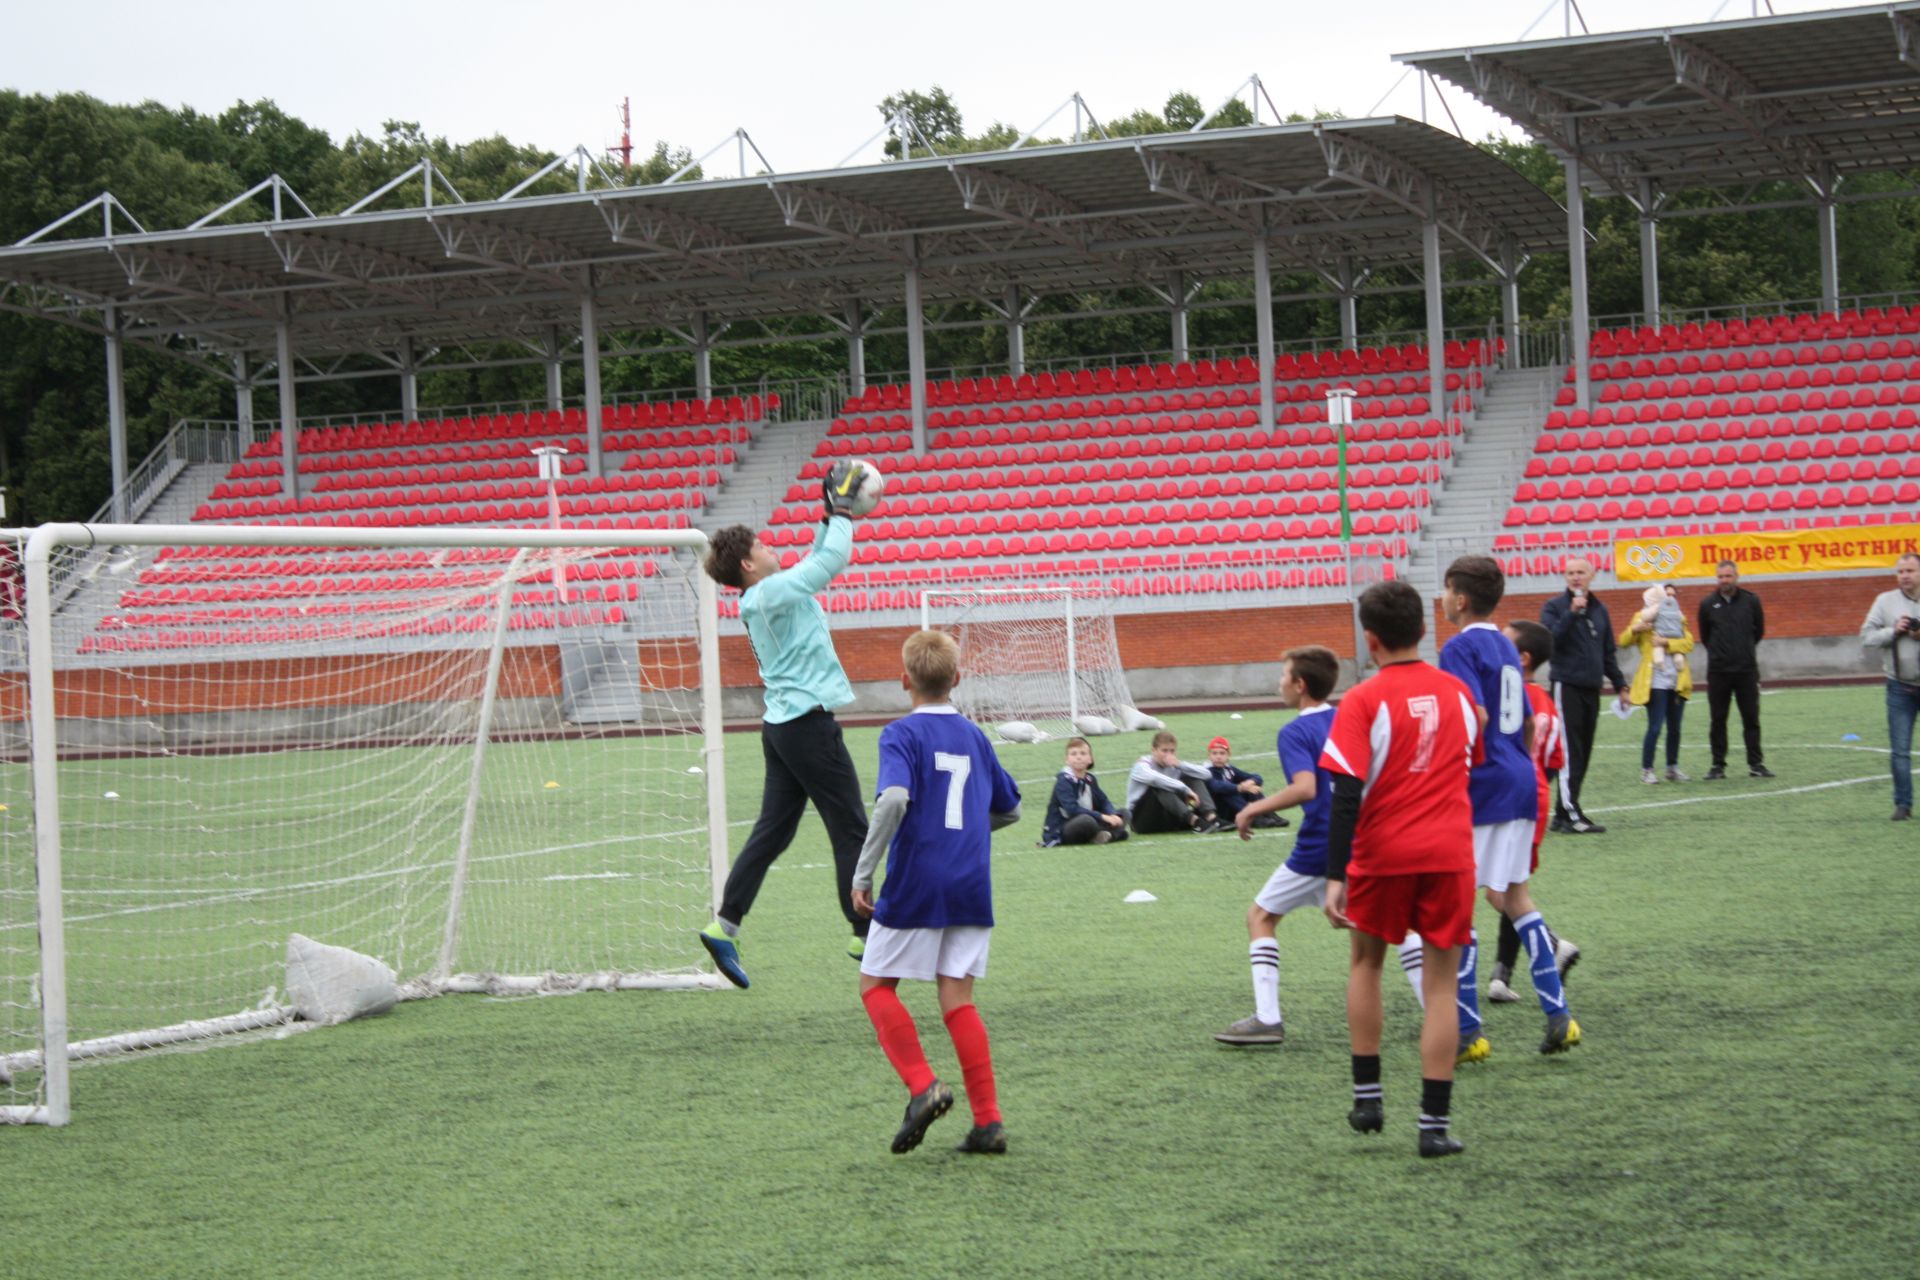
1040,656
488,759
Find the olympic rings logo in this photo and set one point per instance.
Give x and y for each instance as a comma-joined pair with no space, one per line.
1656,561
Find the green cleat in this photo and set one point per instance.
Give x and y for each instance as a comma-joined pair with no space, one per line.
857,948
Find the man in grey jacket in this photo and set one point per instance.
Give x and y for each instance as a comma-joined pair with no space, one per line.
1893,624
1165,793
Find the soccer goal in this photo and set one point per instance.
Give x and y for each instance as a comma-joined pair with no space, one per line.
372,738
1035,657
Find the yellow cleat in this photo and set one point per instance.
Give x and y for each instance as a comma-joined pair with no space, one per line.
1478,1049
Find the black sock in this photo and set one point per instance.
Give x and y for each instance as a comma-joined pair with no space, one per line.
1366,1077
1507,953
1436,1099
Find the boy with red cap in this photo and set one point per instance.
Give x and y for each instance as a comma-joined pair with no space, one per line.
1233,788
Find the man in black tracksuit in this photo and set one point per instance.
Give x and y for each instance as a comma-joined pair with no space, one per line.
1582,656
1732,625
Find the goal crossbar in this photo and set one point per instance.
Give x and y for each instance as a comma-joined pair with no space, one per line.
36,560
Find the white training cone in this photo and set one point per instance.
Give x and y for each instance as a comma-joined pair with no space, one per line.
1139,895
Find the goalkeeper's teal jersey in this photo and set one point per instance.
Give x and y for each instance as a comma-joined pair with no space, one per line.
788,629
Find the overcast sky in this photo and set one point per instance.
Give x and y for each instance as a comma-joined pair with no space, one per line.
802,78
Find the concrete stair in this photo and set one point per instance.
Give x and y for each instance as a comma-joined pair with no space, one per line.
1488,461
761,476
1469,505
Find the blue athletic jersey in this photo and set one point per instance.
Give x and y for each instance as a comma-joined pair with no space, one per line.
937,866
1302,741
1503,787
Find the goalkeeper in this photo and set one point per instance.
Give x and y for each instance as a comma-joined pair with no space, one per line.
806,756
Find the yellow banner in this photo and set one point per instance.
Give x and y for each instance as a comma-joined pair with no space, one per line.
1802,551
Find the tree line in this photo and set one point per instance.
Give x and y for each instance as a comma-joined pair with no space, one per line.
170,166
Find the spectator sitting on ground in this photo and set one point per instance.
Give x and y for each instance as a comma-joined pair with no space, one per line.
1161,794
1233,788
1079,811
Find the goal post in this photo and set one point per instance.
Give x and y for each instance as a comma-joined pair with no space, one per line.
1033,654
394,764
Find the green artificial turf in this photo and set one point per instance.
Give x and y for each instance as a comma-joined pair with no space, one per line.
1742,1103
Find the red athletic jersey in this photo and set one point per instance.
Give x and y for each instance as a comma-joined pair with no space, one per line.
1409,733
1549,752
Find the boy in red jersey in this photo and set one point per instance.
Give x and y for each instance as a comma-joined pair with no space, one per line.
1400,846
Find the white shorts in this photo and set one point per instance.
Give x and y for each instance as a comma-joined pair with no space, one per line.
959,951
1287,890
1503,853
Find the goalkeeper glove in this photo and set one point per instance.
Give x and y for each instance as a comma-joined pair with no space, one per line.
840,487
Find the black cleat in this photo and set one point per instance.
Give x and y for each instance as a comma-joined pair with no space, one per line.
1759,771
984,1140
1367,1116
1562,1034
923,1109
1717,774
1438,1142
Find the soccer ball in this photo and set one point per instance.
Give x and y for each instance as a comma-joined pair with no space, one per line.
873,486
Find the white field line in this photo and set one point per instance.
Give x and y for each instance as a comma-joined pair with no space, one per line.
1766,794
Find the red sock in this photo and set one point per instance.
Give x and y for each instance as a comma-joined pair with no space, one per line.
899,1038
976,1062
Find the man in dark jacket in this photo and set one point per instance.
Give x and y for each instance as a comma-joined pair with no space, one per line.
1582,657
1732,625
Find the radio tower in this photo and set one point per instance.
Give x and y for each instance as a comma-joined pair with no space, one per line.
625,149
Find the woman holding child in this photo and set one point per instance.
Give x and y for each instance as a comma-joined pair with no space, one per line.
1661,683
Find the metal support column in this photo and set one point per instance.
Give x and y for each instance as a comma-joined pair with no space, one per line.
1436,320
1177,290
243,398
409,383
117,413
289,412
856,347
1649,254
1580,322
1510,303
1016,333
702,358
916,354
553,367
1349,306
1263,327
590,365
1828,226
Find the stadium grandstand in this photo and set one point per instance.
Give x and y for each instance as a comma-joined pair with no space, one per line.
1193,482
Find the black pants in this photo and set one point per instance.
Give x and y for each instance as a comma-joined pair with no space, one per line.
1743,687
1164,810
806,760
1081,829
1580,714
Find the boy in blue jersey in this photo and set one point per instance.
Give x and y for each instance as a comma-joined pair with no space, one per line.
806,756
942,794
1307,677
1505,794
